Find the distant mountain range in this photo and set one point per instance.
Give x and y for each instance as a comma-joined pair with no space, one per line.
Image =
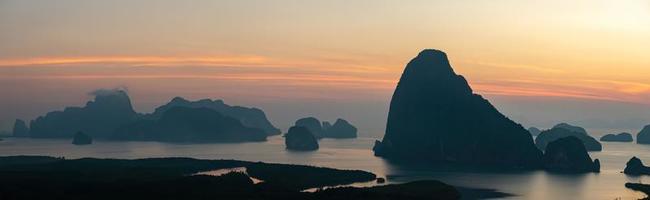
111,116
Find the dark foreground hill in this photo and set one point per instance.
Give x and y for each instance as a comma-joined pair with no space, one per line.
177,178
436,117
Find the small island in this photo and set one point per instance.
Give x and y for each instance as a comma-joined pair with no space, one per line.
621,137
300,139
81,138
635,167
569,155
340,129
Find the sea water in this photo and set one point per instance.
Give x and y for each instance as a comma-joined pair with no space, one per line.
357,154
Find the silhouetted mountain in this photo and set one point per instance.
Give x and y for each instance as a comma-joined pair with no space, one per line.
20,129
326,125
301,139
81,139
571,128
435,116
556,133
251,117
534,131
621,137
184,124
569,154
644,136
99,118
340,129
635,167
312,124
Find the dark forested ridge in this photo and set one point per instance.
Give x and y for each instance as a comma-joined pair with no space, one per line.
27,177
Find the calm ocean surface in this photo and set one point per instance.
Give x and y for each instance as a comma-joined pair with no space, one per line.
357,154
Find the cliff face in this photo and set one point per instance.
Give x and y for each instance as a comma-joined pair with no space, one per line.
250,117
98,118
644,136
20,129
435,116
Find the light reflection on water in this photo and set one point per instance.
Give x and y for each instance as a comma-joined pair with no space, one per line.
356,154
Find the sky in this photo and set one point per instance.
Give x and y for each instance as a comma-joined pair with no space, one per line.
540,62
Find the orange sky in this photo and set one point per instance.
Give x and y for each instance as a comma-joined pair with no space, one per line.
287,50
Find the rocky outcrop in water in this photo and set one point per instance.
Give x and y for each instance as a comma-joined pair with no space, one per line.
250,117
534,131
435,117
184,124
340,129
635,167
556,133
569,155
312,124
99,118
621,137
81,139
644,136
20,129
300,139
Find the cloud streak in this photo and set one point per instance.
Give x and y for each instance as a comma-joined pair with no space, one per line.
321,73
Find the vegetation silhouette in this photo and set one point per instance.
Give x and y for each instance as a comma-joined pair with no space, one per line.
28,177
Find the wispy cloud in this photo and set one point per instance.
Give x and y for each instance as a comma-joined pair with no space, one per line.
335,73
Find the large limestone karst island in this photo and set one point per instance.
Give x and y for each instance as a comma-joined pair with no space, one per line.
563,130
98,118
434,116
184,124
250,117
